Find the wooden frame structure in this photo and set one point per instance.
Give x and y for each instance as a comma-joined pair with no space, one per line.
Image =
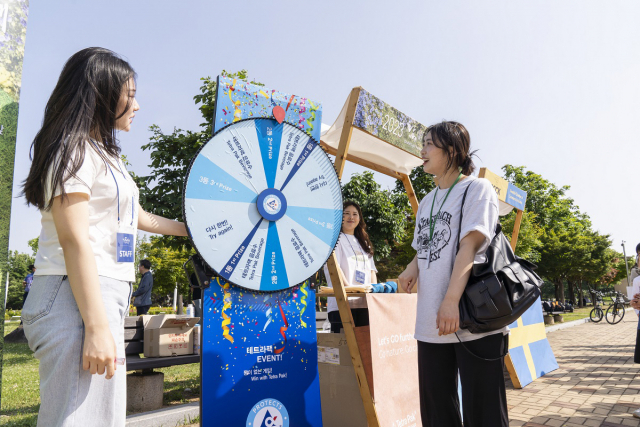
340,294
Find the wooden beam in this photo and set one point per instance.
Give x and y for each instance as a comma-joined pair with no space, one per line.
516,230
362,162
347,128
352,343
411,194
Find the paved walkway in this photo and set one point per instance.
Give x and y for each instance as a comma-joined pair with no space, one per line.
597,383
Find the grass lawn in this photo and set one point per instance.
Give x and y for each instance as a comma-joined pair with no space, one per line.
578,313
20,384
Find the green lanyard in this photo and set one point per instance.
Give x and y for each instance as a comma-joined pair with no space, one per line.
432,223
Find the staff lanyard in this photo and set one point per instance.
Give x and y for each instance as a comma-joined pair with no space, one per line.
356,255
432,223
116,181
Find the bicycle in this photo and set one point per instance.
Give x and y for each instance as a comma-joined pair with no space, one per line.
596,313
615,311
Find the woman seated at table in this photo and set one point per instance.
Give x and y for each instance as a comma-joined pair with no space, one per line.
354,253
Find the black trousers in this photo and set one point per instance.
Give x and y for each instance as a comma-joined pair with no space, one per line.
360,318
142,309
484,398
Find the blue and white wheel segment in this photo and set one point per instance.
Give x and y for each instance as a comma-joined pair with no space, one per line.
263,204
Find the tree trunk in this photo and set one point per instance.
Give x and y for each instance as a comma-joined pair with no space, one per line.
580,295
558,283
572,294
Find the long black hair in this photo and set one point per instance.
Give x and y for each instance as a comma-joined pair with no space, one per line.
454,139
361,229
82,106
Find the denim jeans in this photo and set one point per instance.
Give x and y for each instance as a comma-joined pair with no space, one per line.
69,395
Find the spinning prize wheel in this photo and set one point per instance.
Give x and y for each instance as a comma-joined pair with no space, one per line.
263,204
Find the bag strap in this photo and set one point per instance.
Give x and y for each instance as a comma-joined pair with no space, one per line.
506,347
464,197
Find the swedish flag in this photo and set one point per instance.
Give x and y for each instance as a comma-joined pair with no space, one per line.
530,354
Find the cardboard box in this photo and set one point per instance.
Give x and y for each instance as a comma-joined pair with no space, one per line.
339,391
168,335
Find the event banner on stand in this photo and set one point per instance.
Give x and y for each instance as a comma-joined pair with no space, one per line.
13,30
238,100
261,358
380,119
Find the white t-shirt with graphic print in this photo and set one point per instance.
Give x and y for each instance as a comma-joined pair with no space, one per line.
437,256
94,179
351,257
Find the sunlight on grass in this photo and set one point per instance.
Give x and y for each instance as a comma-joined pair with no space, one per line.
20,385
21,394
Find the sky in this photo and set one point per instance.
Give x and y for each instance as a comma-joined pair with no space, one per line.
553,86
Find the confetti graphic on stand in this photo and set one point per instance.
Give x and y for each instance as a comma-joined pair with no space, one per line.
226,320
303,301
238,99
311,119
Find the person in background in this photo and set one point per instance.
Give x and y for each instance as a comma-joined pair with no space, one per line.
635,304
354,253
74,316
143,293
26,283
635,270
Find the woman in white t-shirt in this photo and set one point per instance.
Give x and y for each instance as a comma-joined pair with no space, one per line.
74,315
441,273
354,253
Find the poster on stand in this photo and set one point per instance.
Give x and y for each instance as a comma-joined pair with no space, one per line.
260,359
237,99
394,359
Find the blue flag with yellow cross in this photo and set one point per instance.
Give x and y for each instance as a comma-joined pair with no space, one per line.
530,354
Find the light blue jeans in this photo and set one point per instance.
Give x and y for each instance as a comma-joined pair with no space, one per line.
69,395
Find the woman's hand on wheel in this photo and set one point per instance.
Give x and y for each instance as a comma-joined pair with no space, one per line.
99,352
409,277
448,319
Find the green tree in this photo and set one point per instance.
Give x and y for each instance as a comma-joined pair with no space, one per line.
528,236
171,154
33,244
18,267
422,184
166,264
561,251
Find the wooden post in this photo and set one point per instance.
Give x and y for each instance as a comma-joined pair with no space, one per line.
352,343
411,194
516,230
347,128
336,279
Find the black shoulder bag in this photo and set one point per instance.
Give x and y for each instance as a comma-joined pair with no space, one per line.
499,290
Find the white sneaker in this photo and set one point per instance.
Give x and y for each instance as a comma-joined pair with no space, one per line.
636,413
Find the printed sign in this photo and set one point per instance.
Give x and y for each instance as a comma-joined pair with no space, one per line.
506,191
516,197
530,354
500,185
329,355
394,357
238,99
387,123
260,362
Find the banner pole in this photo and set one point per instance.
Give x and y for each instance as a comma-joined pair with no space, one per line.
13,30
